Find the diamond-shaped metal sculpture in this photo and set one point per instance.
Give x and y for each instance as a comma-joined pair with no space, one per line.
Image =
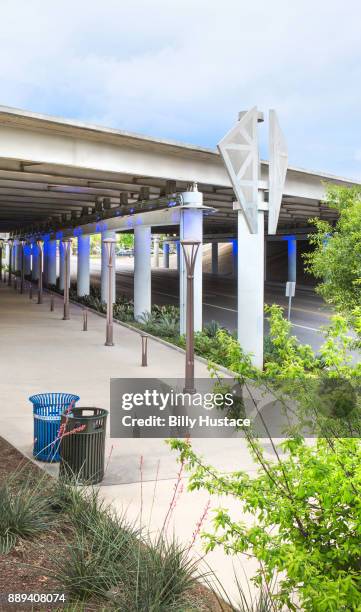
239,150
278,162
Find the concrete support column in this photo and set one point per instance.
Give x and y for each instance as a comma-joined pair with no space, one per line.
191,228
27,259
35,262
83,270
165,254
156,251
45,261
104,268
178,250
292,259
265,259
142,270
19,256
61,266
6,254
250,288
51,262
214,257
16,260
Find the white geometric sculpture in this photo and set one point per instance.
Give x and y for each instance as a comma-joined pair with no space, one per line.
239,149
278,162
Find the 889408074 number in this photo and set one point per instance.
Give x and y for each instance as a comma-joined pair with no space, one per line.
33,598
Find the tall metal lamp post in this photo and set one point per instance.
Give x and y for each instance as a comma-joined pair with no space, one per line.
66,253
190,251
10,243
39,244
110,249
22,266
1,260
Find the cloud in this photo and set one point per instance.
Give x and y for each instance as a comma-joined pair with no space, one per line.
184,69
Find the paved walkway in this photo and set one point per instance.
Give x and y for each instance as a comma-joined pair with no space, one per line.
39,352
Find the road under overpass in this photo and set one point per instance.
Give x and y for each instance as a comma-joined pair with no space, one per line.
309,312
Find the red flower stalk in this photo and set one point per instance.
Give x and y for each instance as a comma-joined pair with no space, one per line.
73,431
199,525
62,427
177,491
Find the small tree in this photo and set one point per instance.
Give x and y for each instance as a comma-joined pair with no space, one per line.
336,258
306,501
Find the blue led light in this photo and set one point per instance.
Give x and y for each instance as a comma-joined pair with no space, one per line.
101,226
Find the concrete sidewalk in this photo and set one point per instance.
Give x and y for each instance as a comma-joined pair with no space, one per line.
39,352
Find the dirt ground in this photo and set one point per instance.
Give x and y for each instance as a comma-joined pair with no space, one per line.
27,568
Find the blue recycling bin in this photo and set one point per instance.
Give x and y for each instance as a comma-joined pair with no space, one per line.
47,410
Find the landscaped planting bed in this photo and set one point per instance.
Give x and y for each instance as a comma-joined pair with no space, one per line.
59,538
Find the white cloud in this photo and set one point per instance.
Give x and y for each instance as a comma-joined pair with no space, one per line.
184,69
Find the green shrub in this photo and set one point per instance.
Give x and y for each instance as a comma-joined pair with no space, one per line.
95,561
163,579
211,328
162,321
307,507
335,259
108,558
24,513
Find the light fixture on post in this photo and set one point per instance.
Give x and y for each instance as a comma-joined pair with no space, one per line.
22,242
10,243
110,250
39,244
190,251
66,243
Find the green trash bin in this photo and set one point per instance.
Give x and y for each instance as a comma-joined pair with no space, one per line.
82,446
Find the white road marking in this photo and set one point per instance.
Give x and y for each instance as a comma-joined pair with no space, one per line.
305,327
220,307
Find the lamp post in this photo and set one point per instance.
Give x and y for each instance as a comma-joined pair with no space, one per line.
190,251
110,250
22,266
10,243
39,244
1,260
66,253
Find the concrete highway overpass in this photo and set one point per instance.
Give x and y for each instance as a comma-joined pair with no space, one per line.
62,178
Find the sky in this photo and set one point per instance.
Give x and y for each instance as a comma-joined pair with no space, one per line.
183,69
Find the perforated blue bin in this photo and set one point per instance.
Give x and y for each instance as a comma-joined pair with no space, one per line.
47,410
